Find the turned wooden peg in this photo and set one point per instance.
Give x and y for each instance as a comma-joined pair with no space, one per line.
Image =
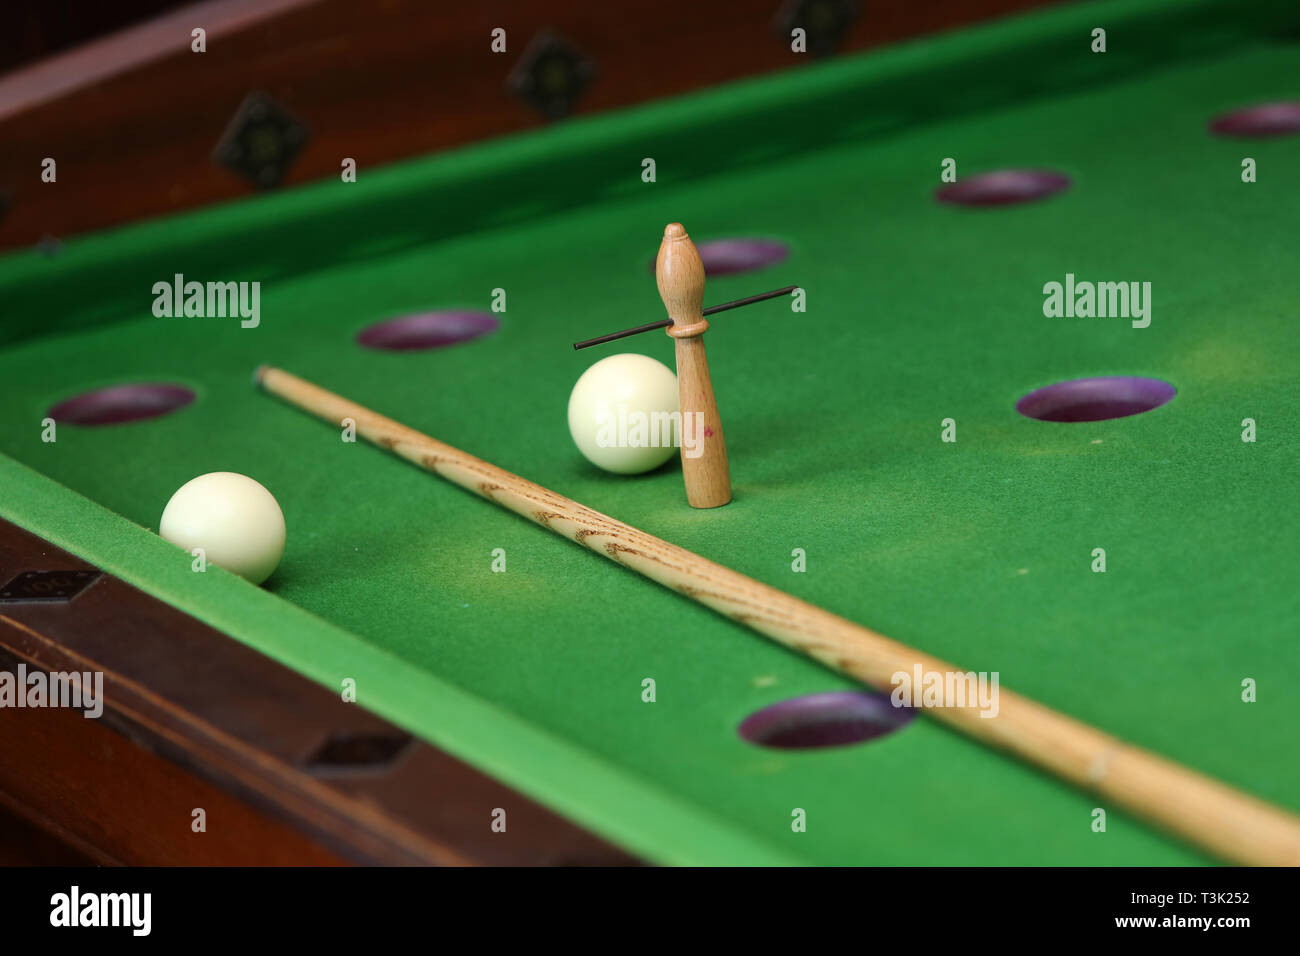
680,275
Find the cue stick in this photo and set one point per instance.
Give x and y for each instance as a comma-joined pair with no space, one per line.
1226,822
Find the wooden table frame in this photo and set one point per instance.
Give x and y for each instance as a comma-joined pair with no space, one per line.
132,119
285,771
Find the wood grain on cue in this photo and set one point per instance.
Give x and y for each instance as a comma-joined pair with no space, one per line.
679,273
1216,817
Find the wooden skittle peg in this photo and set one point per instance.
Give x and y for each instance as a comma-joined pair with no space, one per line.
680,275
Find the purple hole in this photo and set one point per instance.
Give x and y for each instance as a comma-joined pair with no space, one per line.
1266,119
724,257
831,719
1003,187
1095,399
427,330
121,403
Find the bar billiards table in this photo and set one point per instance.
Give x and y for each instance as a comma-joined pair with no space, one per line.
524,689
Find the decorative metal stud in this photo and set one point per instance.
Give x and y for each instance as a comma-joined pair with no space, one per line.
46,586
354,752
261,141
551,75
825,22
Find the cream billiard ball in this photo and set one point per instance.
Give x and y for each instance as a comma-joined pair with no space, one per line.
618,410
236,522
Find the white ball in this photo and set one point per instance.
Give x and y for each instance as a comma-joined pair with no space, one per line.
236,522
617,389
